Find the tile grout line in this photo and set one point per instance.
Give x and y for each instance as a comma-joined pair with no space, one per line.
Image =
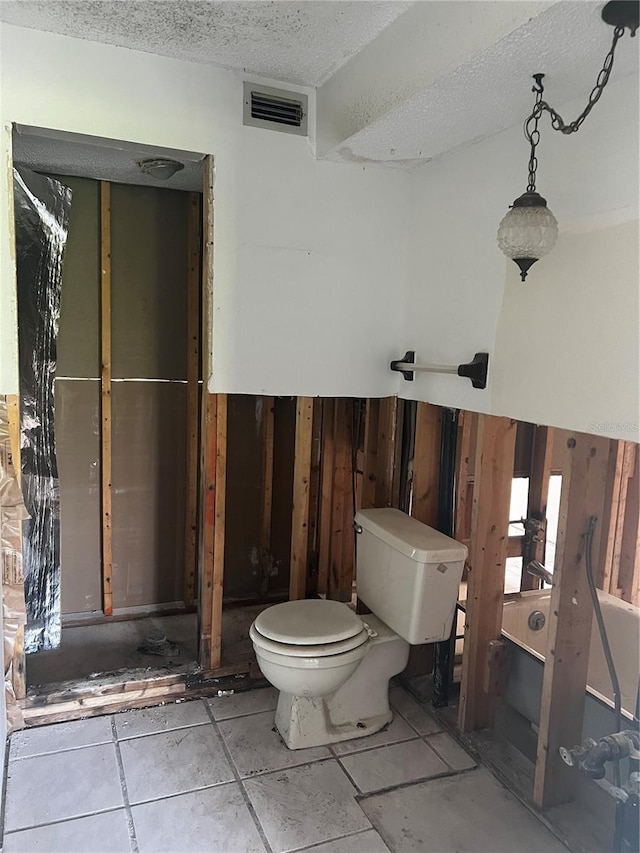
312,847
448,774
123,785
238,779
5,780
60,820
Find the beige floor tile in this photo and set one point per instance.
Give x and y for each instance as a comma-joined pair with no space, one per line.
397,730
162,718
62,785
393,765
173,763
248,702
469,813
305,805
215,820
256,747
100,833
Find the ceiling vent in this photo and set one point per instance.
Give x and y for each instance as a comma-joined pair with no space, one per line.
275,109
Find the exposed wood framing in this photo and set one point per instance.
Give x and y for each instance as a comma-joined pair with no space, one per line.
105,384
621,517
492,491
300,509
424,505
341,566
89,698
426,464
541,458
615,491
370,461
584,474
213,456
219,531
193,368
207,524
326,494
18,661
314,498
268,411
467,425
628,580
386,454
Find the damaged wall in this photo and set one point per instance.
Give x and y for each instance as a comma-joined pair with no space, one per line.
310,257
149,421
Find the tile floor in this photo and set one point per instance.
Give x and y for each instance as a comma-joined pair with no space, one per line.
214,776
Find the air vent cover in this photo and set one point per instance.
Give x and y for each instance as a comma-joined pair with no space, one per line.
275,109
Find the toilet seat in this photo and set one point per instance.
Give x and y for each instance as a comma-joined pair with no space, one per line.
319,649
309,622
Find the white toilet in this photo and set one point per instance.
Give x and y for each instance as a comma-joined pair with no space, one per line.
331,666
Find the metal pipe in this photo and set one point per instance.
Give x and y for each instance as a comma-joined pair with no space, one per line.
426,368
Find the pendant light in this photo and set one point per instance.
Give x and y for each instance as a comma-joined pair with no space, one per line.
529,230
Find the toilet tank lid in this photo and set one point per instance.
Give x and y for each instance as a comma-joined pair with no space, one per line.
410,536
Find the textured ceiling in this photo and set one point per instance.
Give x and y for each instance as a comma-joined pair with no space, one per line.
106,160
491,90
302,43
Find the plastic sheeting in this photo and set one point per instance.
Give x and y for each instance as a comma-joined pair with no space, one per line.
12,514
42,208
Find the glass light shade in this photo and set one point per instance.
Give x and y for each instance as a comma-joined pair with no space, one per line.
528,232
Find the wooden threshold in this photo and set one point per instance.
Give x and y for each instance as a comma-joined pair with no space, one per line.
127,689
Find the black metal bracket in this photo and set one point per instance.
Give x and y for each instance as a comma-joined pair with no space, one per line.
408,358
476,370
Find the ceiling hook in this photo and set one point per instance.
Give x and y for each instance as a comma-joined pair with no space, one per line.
538,87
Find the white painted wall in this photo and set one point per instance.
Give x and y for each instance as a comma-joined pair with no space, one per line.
310,257
565,345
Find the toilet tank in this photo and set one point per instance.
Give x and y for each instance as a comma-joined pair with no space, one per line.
408,574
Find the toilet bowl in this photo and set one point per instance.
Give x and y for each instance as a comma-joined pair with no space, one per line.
332,669
331,666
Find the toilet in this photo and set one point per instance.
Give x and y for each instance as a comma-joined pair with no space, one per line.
332,666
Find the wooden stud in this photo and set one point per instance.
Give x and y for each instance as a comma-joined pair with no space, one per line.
628,464
489,530
370,464
207,524
426,464
105,384
386,451
268,433
615,489
314,498
209,605
584,474
468,424
397,485
628,581
326,494
300,509
541,458
19,659
193,361
341,567
219,531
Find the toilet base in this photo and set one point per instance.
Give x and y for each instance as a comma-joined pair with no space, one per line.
304,723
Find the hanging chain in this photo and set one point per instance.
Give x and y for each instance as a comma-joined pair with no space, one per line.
557,122
533,134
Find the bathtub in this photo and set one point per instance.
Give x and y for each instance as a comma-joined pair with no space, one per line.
622,621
